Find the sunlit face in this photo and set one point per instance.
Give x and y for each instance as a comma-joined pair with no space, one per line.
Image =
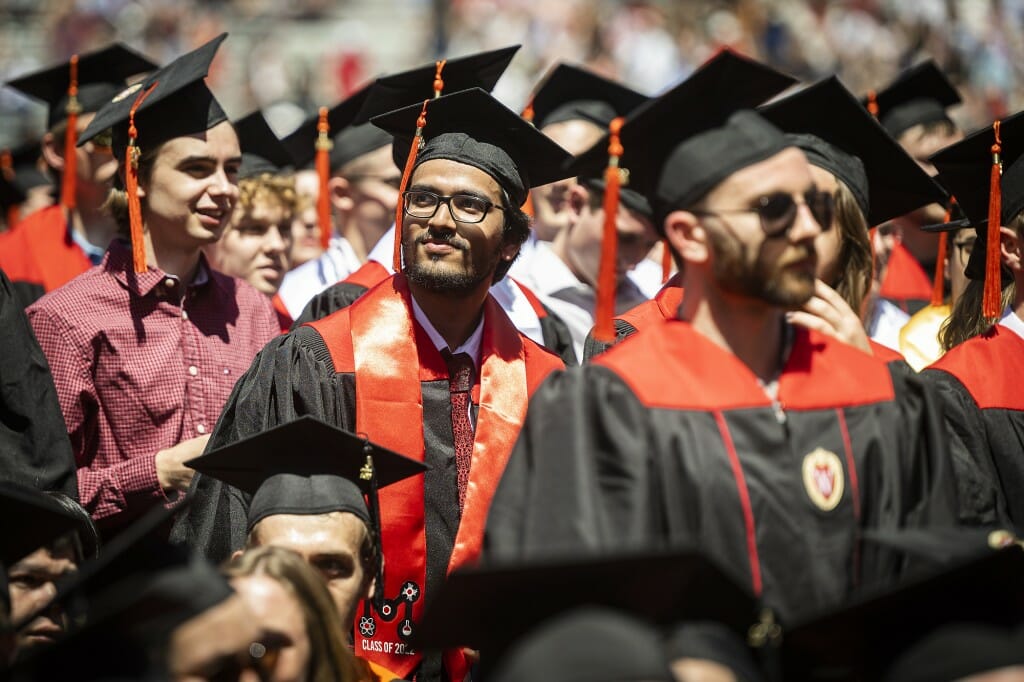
828,243
745,263
255,246
279,614
330,543
372,194
305,228
32,588
443,255
552,212
95,165
921,143
191,190
636,237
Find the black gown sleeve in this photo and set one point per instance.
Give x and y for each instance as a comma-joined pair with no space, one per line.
33,437
557,337
330,300
592,347
580,478
291,377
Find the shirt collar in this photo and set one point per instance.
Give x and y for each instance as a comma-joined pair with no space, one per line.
1011,321
118,262
92,252
470,346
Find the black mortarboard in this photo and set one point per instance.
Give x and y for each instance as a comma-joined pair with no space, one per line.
33,520
571,92
474,128
178,103
678,146
25,164
351,134
480,70
262,151
490,607
10,194
863,639
101,75
589,644
304,467
837,134
957,652
919,95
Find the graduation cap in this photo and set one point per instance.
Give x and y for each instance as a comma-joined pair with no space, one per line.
342,121
571,93
491,607
864,639
985,172
474,128
678,146
81,85
262,151
307,467
172,102
34,520
920,95
25,166
837,134
480,70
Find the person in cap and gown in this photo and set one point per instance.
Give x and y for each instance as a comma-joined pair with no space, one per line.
768,445
255,245
979,378
428,349
145,347
63,241
23,174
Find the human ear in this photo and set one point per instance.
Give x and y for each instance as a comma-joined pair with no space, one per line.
340,191
687,236
51,154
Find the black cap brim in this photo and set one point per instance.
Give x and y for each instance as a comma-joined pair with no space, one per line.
919,95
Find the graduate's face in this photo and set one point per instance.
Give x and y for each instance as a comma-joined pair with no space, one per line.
305,229
191,189
330,543
551,206
746,263
32,588
447,256
365,194
255,245
279,614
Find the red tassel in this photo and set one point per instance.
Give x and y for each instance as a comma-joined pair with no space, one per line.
872,103
323,171
410,161
131,183
528,112
604,325
70,177
438,81
666,261
992,296
939,283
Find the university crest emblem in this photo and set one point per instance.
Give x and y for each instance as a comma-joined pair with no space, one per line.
823,478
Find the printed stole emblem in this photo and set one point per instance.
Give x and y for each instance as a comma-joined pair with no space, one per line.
823,478
407,596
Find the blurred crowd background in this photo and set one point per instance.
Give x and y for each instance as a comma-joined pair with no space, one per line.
290,57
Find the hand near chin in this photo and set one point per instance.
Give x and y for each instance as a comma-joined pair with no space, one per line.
826,312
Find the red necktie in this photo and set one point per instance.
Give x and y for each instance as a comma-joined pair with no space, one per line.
460,382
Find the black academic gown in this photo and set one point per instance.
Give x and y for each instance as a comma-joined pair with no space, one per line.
557,337
668,440
980,384
34,441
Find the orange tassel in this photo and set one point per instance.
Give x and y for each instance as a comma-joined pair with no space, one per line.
528,111
872,103
527,206
131,183
666,261
992,295
939,283
438,81
323,171
604,325
410,161
70,177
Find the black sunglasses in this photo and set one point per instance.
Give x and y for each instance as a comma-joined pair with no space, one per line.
778,211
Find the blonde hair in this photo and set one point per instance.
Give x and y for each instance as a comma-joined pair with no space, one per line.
330,659
278,189
855,259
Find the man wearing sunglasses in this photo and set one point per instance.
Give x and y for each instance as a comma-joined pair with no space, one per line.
425,364
771,447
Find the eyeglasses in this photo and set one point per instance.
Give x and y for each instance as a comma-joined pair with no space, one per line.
465,208
964,249
778,211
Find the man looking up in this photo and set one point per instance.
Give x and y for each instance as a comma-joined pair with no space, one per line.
769,446
428,346
65,240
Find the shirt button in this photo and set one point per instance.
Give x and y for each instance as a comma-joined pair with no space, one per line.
170,282
193,370
184,314
200,429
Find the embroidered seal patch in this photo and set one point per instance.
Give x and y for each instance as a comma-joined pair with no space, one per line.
823,478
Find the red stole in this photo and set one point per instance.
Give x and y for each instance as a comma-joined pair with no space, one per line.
389,366
905,279
284,318
41,251
370,274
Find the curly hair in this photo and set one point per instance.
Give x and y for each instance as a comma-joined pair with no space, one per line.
278,189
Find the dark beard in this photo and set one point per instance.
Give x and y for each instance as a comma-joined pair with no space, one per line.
759,280
442,280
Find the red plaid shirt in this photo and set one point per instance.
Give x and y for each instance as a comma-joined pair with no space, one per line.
141,365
